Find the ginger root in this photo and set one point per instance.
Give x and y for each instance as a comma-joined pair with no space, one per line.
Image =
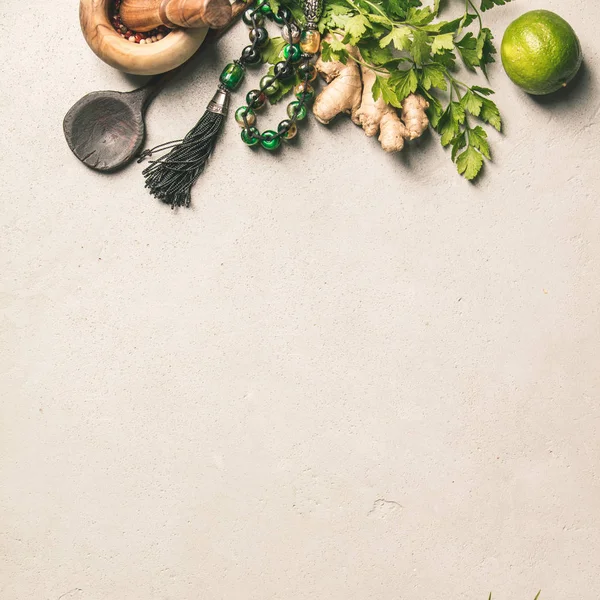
347,92
375,115
414,115
344,91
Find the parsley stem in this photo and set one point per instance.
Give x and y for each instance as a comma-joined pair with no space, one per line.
470,2
455,82
376,8
368,66
357,8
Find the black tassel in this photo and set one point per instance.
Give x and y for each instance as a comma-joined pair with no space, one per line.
171,177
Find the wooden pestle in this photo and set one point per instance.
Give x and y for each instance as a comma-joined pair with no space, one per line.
144,15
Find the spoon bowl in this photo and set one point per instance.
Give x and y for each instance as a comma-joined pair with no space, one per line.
105,130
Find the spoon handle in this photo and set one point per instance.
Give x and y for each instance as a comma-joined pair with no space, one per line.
145,94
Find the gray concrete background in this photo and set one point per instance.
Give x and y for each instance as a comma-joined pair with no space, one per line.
340,375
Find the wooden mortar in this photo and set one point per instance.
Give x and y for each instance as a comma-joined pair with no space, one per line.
139,59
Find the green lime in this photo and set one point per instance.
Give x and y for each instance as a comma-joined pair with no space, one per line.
540,52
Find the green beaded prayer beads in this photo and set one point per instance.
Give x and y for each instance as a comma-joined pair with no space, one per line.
270,140
252,17
293,52
248,113
232,75
250,137
292,61
304,91
287,129
255,99
269,85
296,110
265,9
307,70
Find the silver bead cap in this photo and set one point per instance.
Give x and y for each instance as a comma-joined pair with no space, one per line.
219,103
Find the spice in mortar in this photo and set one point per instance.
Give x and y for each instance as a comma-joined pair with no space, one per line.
136,37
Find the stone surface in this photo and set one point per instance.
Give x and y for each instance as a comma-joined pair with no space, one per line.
340,375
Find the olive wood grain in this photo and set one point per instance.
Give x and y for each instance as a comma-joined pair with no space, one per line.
139,59
144,15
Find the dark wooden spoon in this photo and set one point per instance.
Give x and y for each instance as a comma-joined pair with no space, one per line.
105,130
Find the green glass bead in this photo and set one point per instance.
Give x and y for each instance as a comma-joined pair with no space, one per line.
292,50
252,17
251,56
296,110
232,76
307,71
250,136
259,37
310,41
283,15
248,113
270,140
287,129
304,91
269,85
283,70
255,99
265,9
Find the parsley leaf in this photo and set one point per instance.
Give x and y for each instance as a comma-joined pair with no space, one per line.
469,163
373,54
478,139
485,48
420,16
482,90
446,59
433,75
273,51
457,25
399,36
472,103
490,114
420,48
458,143
400,8
487,4
442,42
382,88
355,28
435,110
404,83
467,47
334,50
450,122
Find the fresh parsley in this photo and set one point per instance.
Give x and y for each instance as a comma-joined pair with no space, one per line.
412,50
